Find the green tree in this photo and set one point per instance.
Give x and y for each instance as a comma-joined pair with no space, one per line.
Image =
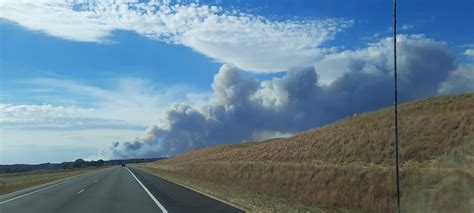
79,163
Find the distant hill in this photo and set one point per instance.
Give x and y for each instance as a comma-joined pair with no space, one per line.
350,164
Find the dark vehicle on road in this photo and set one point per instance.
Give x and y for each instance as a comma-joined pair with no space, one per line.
123,165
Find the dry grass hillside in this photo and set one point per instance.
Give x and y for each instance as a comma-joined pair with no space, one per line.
346,166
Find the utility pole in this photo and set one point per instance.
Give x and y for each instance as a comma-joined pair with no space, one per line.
397,169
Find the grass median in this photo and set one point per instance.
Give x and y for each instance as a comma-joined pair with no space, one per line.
11,182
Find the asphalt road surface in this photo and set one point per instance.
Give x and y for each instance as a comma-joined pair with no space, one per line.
118,189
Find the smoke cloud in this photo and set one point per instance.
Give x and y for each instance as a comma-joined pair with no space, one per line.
246,109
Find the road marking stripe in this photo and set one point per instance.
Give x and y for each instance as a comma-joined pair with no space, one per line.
80,191
149,193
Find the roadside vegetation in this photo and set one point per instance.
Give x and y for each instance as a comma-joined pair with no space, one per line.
345,166
10,182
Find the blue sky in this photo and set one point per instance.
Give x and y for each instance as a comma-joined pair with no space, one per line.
75,77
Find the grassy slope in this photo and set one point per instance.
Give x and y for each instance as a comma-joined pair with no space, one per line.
347,165
11,182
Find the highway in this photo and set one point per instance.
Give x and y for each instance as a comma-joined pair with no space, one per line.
117,189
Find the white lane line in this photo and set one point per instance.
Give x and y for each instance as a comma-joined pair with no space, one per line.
149,193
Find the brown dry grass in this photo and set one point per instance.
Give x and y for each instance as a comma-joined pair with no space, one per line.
349,164
15,181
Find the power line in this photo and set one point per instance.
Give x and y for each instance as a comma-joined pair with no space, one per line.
397,170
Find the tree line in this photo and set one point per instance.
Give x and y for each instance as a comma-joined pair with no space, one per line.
79,163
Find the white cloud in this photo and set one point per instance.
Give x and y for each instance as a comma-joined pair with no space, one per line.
56,18
377,54
247,41
40,146
459,81
407,26
469,52
130,103
48,117
119,112
134,100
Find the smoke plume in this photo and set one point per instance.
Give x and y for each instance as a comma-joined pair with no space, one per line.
245,109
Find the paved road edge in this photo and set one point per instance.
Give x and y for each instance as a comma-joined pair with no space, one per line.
237,206
163,209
